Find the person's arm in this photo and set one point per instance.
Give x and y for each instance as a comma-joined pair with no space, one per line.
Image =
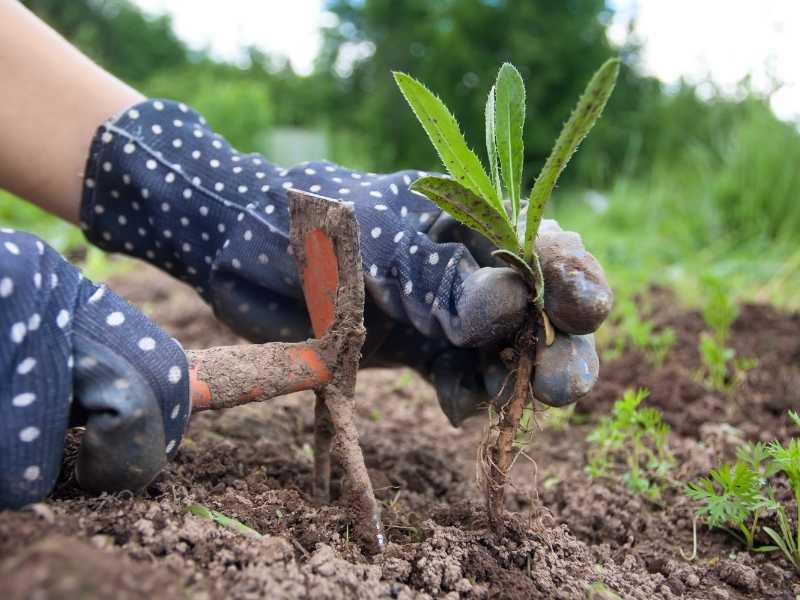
52,100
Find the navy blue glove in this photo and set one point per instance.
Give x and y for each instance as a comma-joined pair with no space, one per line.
162,186
75,354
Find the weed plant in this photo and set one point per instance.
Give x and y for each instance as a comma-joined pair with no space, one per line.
491,204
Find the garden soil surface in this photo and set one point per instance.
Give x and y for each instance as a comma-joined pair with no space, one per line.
568,537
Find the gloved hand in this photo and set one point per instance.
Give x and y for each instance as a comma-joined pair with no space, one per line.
160,185
75,354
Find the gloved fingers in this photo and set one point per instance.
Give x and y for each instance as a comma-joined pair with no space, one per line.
75,353
492,306
131,390
565,371
577,297
124,443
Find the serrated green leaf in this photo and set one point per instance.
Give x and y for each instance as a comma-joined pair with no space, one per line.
468,208
443,131
509,122
588,110
491,143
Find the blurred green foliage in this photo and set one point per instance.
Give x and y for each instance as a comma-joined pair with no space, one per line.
116,34
686,217
684,184
231,99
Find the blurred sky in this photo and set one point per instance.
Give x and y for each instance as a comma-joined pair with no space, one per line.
720,40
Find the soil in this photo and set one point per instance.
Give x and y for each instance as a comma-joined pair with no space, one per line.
569,536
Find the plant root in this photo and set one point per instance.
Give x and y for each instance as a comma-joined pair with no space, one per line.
693,555
497,459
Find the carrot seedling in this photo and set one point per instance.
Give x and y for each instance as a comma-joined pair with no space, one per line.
492,205
786,459
736,496
631,445
731,499
637,332
721,369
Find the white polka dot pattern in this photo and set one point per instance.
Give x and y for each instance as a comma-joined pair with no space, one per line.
72,343
222,227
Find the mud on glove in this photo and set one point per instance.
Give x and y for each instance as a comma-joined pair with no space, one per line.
73,353
162,186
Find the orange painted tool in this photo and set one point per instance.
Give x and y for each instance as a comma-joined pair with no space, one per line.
324,239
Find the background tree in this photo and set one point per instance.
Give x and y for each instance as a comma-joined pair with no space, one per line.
457,47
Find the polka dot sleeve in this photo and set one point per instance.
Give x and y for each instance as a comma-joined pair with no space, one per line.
162,186
74,353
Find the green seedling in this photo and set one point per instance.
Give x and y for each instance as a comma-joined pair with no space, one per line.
631,445
204,512
787,460
721,369
732,499
403,380
491,203
736,496
634,331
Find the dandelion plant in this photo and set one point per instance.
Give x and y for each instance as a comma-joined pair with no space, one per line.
492,204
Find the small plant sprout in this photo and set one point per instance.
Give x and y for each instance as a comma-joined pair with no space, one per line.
631,444
735,497
204,512
721,369
731,499
492,205
639,333
786,459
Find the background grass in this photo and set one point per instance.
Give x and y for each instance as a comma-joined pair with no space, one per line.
728,208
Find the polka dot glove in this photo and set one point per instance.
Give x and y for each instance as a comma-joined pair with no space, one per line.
162,186
73,353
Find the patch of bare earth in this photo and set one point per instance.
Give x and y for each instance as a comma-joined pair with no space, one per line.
570,537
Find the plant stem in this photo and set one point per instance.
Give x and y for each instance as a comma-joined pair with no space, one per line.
753,529
509,421
797,519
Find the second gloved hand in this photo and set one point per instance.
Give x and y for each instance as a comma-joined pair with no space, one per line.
76,354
